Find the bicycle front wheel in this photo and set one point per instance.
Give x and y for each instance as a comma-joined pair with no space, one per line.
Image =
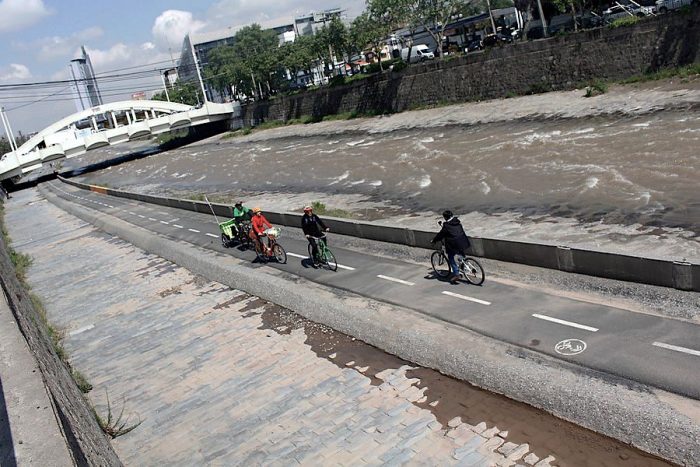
473,271
440,265
280,254
329,260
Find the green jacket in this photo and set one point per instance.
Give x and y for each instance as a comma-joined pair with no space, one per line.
241,213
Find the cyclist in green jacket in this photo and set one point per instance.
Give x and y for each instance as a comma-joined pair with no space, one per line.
241,213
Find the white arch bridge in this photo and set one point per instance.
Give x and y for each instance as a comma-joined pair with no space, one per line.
107,124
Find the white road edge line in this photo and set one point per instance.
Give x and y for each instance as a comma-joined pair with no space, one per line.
393,279
677,348
193,230
565,323
296,255
464,297
178,226
211,235
342,266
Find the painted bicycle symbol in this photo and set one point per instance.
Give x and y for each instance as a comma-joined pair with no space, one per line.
570,347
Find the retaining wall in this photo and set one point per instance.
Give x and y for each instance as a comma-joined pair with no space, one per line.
679,275
557,63
88,444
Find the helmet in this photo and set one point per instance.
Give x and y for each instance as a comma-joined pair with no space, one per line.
447,214
239,203
257,209
307,208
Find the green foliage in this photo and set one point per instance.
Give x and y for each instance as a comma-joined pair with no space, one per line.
321,209
597,87
681,72
399,65
115,427
21,262
625,21
185,93
82,382
539,88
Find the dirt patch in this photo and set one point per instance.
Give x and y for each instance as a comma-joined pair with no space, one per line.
546,434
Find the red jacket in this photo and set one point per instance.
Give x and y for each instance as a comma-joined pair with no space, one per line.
259,223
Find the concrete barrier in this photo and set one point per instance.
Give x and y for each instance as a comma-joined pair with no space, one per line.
666,273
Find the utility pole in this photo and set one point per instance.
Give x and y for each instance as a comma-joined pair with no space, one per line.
542,18
493,23
196,65
165,88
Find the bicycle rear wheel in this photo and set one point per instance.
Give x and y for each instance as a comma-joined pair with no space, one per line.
225,240
472,271
440,265
329,260
280,254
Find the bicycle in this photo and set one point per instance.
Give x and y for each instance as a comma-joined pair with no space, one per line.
325,256
227,234
274,249
469,268
242,234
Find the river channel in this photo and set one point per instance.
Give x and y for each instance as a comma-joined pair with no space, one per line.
626,184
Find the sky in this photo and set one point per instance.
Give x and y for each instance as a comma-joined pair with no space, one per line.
38,38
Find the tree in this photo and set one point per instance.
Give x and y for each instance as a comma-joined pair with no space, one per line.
185,93
436,14
371,28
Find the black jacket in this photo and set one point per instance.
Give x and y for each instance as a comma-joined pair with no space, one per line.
312,225
452,233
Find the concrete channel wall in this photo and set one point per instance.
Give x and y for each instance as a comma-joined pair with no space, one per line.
88,444
557,63
678,275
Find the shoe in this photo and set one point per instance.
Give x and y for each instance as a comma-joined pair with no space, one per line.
454,279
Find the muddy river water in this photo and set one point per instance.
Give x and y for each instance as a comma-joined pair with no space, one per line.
625,184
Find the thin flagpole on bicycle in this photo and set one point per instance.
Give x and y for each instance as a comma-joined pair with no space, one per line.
212,209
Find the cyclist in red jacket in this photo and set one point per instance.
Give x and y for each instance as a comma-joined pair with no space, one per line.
258,228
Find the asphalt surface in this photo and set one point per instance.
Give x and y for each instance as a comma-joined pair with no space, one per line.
657,351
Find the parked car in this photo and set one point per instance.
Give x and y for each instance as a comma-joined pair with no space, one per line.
663,6
622,10
419,53
474,44
496,39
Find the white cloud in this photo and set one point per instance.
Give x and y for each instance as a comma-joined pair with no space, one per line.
171,26
16,72
19,14
61,47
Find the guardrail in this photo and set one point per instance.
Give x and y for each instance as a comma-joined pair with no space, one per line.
675,274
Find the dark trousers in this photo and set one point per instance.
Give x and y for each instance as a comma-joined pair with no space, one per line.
313,241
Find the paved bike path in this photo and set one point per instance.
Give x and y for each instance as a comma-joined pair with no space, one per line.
662,352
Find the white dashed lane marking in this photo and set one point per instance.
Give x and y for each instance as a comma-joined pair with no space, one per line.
211,235
142,217
178,226
393,279
464,297
565,323
152,219
677,348
297,256
166,223
193,230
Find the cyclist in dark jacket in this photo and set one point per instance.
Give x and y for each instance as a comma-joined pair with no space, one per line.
313,228
456,241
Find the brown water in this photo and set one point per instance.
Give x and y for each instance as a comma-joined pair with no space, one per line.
624,184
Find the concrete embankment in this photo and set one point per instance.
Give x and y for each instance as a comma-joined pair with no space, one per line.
638,415
675,274
87,443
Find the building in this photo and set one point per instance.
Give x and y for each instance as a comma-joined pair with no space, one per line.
307,25
86,93
199,45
